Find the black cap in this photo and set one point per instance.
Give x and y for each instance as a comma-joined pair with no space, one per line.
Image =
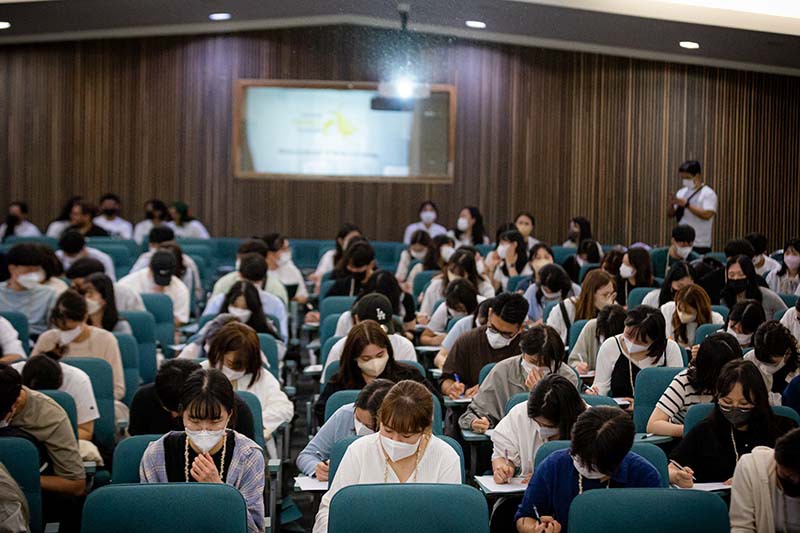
375,307
163,265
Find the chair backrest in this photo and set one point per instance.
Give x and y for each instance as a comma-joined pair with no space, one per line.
21,459
129,351
485,369
335,304
636,296
269,346
722,310
575,332
704,331
651,510
327,326
258,422
418,507
452,322
127,457
205,319
585,269
97,242
421,280
518,398
67,403
120,255
144,331
102,377
513,281
226,249
47,241
20,323
561,253
326,349
387,254
594,400
789,299
305,253
778,315
165,507
650,385
325,287
548,308
338,399
700,411
160,306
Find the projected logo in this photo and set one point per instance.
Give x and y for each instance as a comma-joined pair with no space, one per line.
342,125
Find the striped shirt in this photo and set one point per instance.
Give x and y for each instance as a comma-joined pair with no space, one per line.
679,397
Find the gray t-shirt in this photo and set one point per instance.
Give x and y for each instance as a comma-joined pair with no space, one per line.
35,304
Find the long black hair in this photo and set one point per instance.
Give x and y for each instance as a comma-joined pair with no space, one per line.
258,320
205,392
462,263
544,343
67,209
384,282
752,291
716,350
344,230
762,420
678,271
522,249
649,323
773,339
105,287
556,279
433,259
557,400
478,229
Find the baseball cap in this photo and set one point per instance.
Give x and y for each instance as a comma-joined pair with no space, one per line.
375,307
163,265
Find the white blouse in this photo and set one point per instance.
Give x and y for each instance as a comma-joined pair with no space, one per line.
434,293
609,353
556,320
517,437
668,310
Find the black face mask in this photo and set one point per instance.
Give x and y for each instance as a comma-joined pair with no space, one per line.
358,276
111,212
737,285
790,488
149,215
736,416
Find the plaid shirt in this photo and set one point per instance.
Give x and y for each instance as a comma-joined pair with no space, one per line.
246,473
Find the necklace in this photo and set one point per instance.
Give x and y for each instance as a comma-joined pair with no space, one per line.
580,484
221,460
735,449
386,465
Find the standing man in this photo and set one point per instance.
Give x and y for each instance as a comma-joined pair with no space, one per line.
695,204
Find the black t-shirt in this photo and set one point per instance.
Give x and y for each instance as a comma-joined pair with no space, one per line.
148,416
94,231
175,457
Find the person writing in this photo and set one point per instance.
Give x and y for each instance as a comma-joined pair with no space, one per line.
695,204
610,321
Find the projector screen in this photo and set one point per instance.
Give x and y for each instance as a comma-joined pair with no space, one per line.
342,131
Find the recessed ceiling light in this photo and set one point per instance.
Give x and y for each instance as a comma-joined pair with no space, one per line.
691,45
219,16
5,25
476,24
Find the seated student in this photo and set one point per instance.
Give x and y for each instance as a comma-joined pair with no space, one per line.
785,280
610,321
693,385
163,238
461,299
14,512
155,215
634,272
376,307
741,420
525,223
589,252
469,230
542,354
791,319
404,450
101,303
160,278
679,250
428,213
690,310
32,415
53,269
281,266
420,245
776,356
509,259
736,247
10,346
597,291
184,225
436,257
81,219
383,282
539,256
497,340
461,265
552,285
368,354
17,223
126,299
580,229
359,418
354,270
612,261
743,320
72,246
331,258
743,284
765,493
155,408
244,301
642,344
272,284
23,292
679,275
61,223
109,219
477,319
208,450
599,457
763,263
253,271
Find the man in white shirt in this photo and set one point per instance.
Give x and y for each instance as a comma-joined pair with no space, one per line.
764,264
17,222
161,235
109,219
160,278
72,246
273,284
695,204
279,262
125,298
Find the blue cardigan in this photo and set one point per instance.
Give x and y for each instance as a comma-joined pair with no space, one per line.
338,426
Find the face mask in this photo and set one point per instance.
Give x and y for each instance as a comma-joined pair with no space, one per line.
447,252
66,337
358,276
285,258
237,264
149,215
550,295
502,251
398,450
480,267
588,473
418,254
361,429
789,487
683,251
243,315
205,440
626,271
462,224
30,280
455,314
232,374
771,368
687,318
110,213
636,348
526,366
539,263
496,340
737,285
548,433
427,217
374,367
689,184
742,338
93,306
792,261
736,416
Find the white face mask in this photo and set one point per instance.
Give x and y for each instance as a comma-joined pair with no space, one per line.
496,340
626,271
243,315
771,368
480,267
285,258
66,337
374,367
462,224
588,473
205,440
447,252
418,254
742,338
237,264
361,429
683,251
31,279
502,251
398,451
551,295
634,347
93,306
687,318
548,433
455,314
689,184
526,366
792,261
428,217
232,374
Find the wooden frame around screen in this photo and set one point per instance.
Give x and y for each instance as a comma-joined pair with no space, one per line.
238,100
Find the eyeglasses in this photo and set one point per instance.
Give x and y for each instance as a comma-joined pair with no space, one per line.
505,334
727,408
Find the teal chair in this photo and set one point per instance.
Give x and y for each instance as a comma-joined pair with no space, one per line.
513,281
651,510
21,459
585,269
127,456
417,507
789,299
485,249
779,314
129,351
719,256
144,331
684,355
485,372
451,323
636,296
722,310
326,349
327,327
269,347
700,411
209,245
305,253
335,304
20,323
575,332
133,248
50,242
650,385
593,400
548,308
515,400
102,378
226,250
162,507
338,399
67,403
561,253
705,330
421,281
160,306
258,421
387,254
120,254
333,368
325,287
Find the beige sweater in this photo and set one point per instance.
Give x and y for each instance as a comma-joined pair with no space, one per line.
752,492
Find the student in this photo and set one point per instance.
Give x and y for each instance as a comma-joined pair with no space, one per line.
695,204
612,261
72,246
420,246
14,511
634,272
126,299
599,457
497,340
30,414
331,258
101,304
475,320
785,280
680,275
580,229
765,493
736,247
680,249
791,319
404,450
155,408
763,263
62,222
383,282
553,285
184,225
439,253
208,451
461,299
244,302
598,290
163,238
589,252
354,270
359,418
694,385
17,223
272,284
743,320
540,256
525,223
81,219
743,283
469,230
156,215
160,278
741,420
23,291
279,262
11,349
690,310
428,213
368,354
53,269
542,355
776,355
642,344
610,321
461,265
109,219
508,260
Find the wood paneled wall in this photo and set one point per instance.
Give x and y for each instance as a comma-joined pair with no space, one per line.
556,133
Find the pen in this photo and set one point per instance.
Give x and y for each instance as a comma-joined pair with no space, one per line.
458,380
679,467
536,514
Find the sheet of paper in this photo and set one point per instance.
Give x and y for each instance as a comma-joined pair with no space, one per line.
433,349
310,484
589,374
622,402
488,483
436,372
489,433
312,369
709,487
